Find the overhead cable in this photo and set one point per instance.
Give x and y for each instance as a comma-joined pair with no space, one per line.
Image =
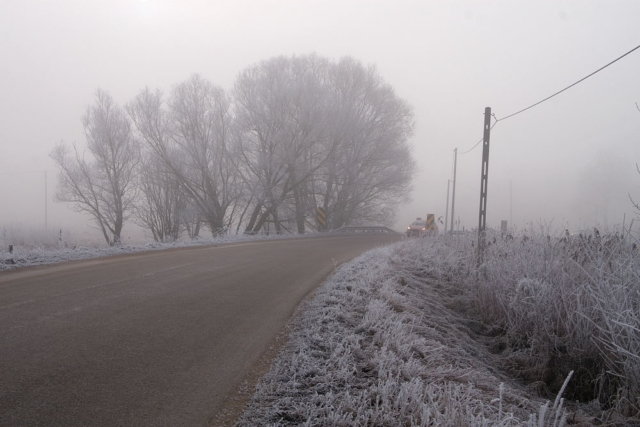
570,86
551,96
478,143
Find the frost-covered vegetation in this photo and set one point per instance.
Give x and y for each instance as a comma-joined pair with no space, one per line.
35,246
567,304
416,335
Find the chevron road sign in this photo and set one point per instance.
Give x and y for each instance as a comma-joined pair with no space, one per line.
322,219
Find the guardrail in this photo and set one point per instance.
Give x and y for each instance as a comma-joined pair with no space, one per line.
366,229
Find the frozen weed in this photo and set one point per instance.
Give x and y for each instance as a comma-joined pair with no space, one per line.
566,304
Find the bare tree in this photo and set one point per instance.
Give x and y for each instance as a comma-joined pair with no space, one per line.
282,119
101,185
190,133
161,203
191,220
598,195
370,172
317,133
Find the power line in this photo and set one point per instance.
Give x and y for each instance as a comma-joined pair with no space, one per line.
478,143
551,96
568,87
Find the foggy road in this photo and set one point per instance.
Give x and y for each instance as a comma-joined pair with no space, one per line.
158,338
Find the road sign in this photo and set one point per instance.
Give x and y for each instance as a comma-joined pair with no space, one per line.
431,222
322,219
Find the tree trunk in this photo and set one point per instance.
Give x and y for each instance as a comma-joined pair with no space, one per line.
299,210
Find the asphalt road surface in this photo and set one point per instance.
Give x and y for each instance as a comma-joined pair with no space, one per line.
153,339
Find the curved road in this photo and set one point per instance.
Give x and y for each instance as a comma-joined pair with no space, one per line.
152,339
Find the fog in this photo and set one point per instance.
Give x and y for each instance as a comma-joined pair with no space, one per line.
568,163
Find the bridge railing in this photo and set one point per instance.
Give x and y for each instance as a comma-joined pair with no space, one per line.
365,229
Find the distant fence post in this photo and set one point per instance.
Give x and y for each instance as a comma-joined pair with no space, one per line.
11,249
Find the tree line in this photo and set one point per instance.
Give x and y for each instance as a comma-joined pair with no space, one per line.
293,134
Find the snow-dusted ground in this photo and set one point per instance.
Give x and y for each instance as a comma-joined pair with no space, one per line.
32,255
383,343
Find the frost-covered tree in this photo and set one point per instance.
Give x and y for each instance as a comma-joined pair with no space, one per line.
189,132
100,179
161,204
191,220
371,170
313,132
601,193
282,121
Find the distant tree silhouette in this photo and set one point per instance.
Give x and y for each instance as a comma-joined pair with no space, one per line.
100,179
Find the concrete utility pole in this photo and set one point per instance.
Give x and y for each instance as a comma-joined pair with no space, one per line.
484,180
453,196
446,215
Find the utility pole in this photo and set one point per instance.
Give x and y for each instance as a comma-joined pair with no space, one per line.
510,203
484,180
446,215
45,201
453,196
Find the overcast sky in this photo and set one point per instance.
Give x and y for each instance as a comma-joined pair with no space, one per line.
571,159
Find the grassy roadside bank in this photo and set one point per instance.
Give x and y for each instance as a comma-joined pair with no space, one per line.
416,335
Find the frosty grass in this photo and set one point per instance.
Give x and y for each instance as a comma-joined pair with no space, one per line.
378,345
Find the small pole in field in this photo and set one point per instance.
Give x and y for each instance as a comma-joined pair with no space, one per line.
453,195
46,214
446,215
